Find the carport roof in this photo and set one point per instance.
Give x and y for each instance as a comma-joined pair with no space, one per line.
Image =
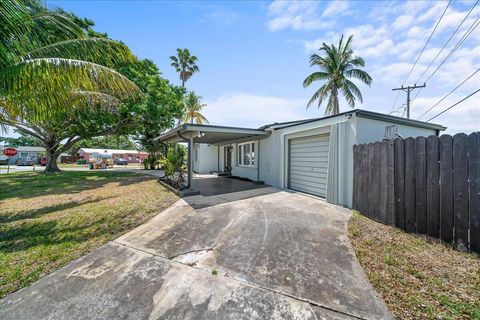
210,134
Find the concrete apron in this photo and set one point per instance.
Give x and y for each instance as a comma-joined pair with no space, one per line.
274,255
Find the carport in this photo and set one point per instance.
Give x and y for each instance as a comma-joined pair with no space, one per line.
208,134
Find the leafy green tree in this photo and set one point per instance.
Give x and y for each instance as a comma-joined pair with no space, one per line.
22,140
54,78
185,64
122,142
193,106
337,66
157,111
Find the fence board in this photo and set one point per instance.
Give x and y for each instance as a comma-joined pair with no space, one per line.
420,185
399,182
375,183
445,146
365,168
433,188
371,207
356,176
460,190
390,184
410,185
383,182
474,173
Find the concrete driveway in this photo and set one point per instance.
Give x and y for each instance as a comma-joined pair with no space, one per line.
250,254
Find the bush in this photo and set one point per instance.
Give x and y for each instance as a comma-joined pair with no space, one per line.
173,164
81,161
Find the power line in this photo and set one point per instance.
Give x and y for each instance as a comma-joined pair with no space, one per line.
448,41
467,33
438,102
423,49
453,105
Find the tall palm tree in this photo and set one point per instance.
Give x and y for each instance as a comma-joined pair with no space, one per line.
337,66
185,64
193,106
46,60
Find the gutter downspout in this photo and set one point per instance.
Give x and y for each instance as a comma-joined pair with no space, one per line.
189,157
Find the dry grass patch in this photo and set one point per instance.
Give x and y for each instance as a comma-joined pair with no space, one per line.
419,278
47,221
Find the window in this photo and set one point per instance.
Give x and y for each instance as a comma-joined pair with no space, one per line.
391,132
246,154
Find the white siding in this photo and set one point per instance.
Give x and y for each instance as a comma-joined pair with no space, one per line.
207,158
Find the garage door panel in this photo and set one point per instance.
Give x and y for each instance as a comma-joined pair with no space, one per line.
308,164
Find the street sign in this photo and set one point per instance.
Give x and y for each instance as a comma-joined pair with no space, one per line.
10,152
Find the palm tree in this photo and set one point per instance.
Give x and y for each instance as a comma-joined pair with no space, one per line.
193,106
50,68
337,66
185,64
45,59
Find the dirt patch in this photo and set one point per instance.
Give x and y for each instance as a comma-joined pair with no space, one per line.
419,278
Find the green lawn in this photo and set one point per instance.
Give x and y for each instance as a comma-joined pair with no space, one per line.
48,220
419,278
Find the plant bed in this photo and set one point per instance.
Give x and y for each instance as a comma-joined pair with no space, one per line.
419,278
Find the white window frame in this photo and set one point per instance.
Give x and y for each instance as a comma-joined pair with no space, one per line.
240,156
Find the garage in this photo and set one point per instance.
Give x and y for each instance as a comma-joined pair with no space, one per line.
308,164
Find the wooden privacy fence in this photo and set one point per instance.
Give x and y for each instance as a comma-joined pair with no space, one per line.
425,185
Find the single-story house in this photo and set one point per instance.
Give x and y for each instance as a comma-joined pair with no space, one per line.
36,153
313,156
132,156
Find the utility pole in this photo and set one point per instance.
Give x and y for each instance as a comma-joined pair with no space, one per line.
407,90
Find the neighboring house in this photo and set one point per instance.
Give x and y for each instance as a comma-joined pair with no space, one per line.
132,156
36,153
314,156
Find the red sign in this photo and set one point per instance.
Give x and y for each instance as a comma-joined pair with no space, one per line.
10,152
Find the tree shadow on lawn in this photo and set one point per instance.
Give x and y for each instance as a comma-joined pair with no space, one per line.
37,213
29,185
23,236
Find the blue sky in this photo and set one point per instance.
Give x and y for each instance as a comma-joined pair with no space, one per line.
253,56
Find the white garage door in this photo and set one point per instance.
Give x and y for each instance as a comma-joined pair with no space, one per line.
308,164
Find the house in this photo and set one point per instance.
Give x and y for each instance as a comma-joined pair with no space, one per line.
132,156
36,153
313,156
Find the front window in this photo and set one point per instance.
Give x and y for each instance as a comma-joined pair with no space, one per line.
246,154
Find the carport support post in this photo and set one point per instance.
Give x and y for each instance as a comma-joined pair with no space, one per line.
190,162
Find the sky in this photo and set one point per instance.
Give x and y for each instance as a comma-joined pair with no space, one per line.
254,55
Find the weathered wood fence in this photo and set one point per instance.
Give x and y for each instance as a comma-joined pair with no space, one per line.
425,185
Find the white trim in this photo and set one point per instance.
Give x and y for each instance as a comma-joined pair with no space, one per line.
240,156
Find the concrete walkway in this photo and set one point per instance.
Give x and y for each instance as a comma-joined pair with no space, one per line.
250,254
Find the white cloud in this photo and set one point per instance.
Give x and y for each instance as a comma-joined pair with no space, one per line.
221,16
297,15
403,22
248,110
336,8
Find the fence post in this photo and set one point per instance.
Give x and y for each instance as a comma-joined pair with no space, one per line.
420,184
390,184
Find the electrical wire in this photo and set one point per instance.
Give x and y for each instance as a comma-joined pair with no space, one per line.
453,105
421,52
439,101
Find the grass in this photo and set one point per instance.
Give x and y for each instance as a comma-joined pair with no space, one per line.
419,278
47,221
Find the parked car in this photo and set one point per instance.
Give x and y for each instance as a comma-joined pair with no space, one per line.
25,161
43,161
121,161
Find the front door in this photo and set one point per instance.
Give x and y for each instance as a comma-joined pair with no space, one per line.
228,159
